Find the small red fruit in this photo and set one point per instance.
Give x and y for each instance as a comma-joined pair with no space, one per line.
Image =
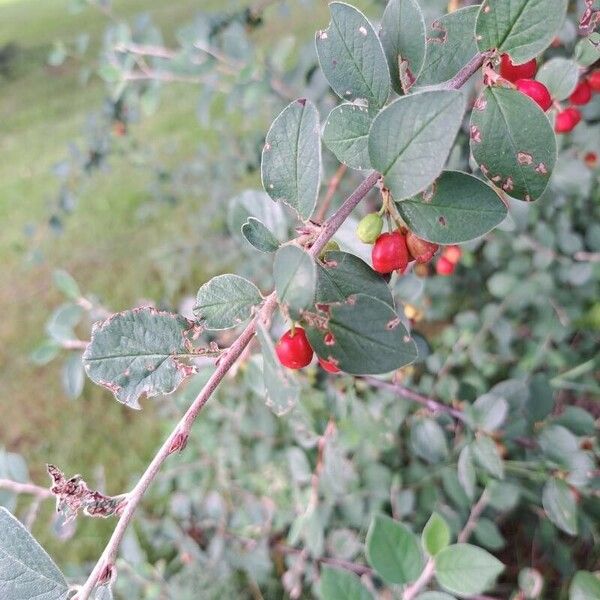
512,72
591,159
537,91
567,119
390,253
328,365
293,349
582,94
421,250
444,266
452,254
593,80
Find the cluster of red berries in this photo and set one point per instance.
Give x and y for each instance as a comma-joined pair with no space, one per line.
393,251
522,77
448,260
295,352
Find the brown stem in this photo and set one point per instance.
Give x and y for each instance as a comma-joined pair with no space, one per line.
25,488
474,516
334,183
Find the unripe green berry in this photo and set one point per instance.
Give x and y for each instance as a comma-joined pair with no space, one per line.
369,228
330,246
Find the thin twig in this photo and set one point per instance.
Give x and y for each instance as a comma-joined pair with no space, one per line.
25,488
332,187
474,515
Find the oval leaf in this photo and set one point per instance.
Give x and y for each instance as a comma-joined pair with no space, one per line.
352,58
486,455
291,157
402,35
560,506
457,208
73,375
259,236
522,28
428,441
368,337
226,301
585,586
256,204
560,76
337,584
410,139
295,276
436,534
466,472
466,570
513,143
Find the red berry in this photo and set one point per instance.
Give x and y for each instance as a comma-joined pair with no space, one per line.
593,80
567,119
293,349
591,159
512,72
390,253
537,91
582,94
421,250
452,254
328,365
444,266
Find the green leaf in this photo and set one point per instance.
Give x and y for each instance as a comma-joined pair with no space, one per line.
513,143
560,75
73,375
450,45
486,455
61,325
337,584
402,36
343,275
466,472
522,28
456,208
587,50
585,586
226,301
26,571
139,352
104,592
352,58
291,158
393,550
488,412
283,389
436,534
434,596
488,535
559,504
346,134
66,284
44,352
257,204
295,276
466,570
411,138
259,236
428,441
368,337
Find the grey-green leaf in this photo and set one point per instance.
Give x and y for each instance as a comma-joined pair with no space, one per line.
559,504
259,236
466,570
364,336
26,571
226,301
337,584
140,352
393,550
346,134
411,138
428,441
291,157
283,390
66,284
466,472
450,45
456,208
73,375
402,35
256,204
352,58
486,455
435,596
521,28
560,75
436,534
585,586
295,276
343,275
513,143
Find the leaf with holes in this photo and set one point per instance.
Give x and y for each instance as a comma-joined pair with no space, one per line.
343,275
259,236
560,76
410,139
521,28
346,134
402,35
363,336
282,388
450,45
352,58
513,143
393,550
291,157
295,276
559,504
226,301
26,571
337,584
140,352
456,208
